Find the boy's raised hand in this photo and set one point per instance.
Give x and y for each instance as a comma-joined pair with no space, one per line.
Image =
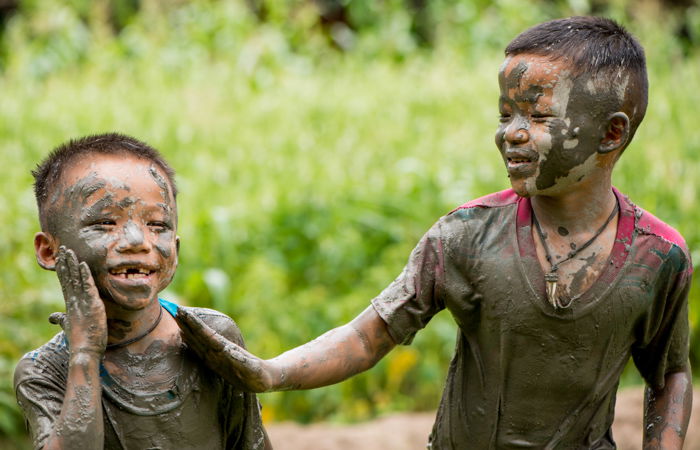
235,365
85,322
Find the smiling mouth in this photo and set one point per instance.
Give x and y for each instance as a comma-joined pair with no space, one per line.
518,160
131,272
521,163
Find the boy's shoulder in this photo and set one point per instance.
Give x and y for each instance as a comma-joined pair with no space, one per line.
648,224
52,357
499,199
654,233
219,322
49,359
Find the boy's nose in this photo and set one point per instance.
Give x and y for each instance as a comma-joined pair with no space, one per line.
132,239
517,134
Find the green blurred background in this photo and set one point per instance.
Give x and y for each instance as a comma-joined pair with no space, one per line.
315,141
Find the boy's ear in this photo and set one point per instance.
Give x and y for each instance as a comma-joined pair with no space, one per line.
617,133
46,249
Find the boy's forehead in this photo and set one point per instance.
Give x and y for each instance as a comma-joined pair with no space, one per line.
526,68
118,173
117,168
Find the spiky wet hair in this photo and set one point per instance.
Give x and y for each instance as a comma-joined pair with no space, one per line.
48,172
597,47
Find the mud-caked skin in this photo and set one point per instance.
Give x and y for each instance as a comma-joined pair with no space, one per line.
120,375
554,135
109,221
552,124
529,372
525,374
194,409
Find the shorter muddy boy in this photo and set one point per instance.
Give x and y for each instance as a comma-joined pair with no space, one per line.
119,376
554,284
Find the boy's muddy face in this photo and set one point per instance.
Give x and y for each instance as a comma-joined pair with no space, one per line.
551,125
118,214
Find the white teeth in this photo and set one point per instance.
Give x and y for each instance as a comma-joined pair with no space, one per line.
136,275
125,271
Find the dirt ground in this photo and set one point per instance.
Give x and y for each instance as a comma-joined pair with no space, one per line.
410,431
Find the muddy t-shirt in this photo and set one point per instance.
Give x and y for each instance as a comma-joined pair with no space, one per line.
200,410
524,374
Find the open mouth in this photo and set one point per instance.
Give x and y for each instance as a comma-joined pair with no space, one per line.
131,272
521,162
518,160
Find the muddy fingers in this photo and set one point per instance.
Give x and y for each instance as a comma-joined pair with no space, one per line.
58,318
229,360
84,322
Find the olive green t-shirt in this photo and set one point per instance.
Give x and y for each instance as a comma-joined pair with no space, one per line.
524,374
200,410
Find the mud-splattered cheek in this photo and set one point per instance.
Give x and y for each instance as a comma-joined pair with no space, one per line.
166,246
92,247
562,155
500,138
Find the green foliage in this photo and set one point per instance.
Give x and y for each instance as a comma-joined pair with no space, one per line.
306,174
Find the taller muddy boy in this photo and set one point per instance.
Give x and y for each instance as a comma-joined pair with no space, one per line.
554,284
120,377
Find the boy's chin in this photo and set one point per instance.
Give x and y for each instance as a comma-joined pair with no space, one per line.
520,187
128,302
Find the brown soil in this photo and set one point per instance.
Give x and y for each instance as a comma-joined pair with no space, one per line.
409,431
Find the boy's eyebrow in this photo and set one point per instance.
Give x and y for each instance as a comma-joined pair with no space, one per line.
96,208
165,207
126,202
87,186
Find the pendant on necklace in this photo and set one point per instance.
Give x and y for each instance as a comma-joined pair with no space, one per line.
551,278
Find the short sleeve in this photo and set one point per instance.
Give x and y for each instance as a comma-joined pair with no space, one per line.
664,345
412,299
40,400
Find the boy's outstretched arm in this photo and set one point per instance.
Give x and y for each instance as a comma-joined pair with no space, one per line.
667,412
80,424
328,359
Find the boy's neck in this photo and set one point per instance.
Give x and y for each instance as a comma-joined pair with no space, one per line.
124,325
578,211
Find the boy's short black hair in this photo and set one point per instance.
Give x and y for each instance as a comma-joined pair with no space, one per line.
49,171
596,47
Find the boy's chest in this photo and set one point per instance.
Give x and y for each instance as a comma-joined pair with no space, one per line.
189,424
502,286
505,316
572,265
152,371
173,405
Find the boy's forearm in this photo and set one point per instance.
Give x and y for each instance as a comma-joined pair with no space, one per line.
80,424
334,356
667,412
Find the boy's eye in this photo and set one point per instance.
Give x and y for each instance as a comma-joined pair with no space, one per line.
103,222
158,226
504,117
540,117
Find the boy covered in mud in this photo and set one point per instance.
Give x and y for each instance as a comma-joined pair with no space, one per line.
554,283
119,376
